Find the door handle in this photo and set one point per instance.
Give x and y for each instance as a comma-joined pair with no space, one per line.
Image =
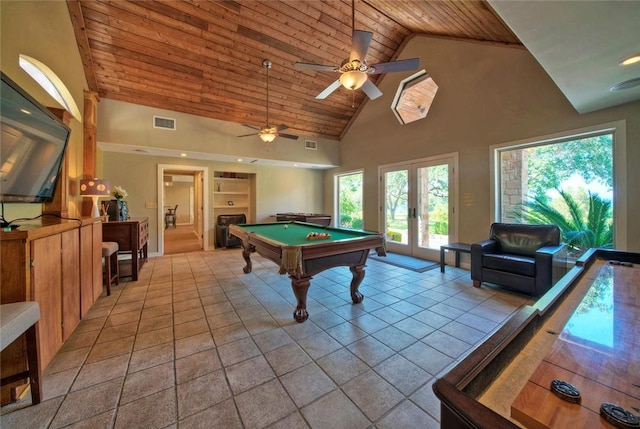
414,212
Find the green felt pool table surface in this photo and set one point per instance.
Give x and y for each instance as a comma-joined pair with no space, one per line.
286,244
295,233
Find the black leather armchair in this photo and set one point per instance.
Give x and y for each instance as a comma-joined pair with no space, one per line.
525,258
223,239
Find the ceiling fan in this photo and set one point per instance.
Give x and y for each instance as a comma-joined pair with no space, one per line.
354,70
269,133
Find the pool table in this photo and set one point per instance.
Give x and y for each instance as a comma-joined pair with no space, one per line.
286,244
582,331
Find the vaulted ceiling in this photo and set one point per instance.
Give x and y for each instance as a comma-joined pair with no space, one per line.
205,57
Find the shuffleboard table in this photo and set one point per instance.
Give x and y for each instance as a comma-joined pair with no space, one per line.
583,332
301,256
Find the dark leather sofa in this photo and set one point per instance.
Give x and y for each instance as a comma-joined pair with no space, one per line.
524,258
223,239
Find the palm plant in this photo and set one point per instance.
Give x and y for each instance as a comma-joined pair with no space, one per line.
580,230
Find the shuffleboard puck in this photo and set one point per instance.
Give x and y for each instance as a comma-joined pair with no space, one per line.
618,416
566,391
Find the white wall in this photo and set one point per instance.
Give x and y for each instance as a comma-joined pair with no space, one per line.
278,189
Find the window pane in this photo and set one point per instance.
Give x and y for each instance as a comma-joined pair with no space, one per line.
568,183
433,206
397,206
350,201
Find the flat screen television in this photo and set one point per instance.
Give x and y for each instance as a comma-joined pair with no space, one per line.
32,147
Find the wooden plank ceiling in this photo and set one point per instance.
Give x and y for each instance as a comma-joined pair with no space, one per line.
205,57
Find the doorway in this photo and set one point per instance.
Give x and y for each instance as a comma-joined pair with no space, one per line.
184,187
418,205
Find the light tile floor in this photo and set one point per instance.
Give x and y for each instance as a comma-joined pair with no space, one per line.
196,343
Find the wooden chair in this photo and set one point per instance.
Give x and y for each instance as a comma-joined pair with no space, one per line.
170,217
16,319
111,268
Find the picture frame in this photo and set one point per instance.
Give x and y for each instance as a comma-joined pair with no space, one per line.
230,203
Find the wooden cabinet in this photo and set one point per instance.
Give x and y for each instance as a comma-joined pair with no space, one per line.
43,262
70,265
91,286
46,275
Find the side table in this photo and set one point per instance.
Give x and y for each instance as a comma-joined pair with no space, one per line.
454,247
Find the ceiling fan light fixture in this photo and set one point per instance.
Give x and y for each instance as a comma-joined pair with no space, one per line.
353,80
267,136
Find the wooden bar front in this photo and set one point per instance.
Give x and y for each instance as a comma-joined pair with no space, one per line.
55,263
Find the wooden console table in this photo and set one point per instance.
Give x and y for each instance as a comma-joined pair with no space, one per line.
132,236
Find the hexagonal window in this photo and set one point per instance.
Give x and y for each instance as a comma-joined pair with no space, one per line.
414,97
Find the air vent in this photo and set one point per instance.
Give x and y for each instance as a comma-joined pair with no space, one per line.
311,145
164,123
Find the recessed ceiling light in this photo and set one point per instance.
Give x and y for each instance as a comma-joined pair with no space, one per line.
183,154
632,59
239,159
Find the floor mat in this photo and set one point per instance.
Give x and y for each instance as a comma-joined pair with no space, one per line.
404,261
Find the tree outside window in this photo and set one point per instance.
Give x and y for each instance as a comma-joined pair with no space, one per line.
349,190
568,183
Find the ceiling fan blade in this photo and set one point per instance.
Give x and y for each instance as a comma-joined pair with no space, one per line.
395,66
288,136
328,90
251,126
371,90
318,67
360,45
282,127
247,135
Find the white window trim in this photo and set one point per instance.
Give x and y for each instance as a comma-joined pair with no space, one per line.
619,131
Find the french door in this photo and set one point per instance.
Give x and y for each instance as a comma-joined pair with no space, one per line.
418,206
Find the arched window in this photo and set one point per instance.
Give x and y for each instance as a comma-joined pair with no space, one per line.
51,83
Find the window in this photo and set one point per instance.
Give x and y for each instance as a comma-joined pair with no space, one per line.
51,83
414,97
567,181
349,200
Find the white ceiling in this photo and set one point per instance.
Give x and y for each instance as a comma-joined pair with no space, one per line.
580,44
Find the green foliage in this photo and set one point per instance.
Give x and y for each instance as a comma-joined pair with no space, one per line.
357,224
350,200
347,221
394,236
580,230
439,228
549,165
396,183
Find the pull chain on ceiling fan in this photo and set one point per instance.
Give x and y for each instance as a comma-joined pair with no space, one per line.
269,133
354,70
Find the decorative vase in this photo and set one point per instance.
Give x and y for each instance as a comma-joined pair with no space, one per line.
123,210
118,210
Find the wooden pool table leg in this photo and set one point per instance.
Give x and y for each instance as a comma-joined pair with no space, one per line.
358,276
246,254
300,286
